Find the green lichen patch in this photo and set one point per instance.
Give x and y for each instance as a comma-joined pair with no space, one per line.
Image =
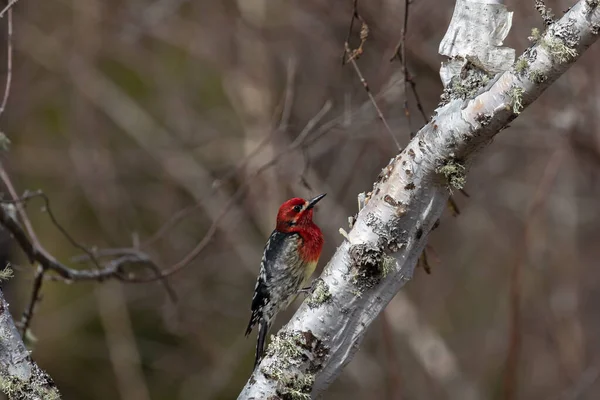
454,172
516,96
298,388
521,65
284,346
536,35
537,76
6,274
320,294
560,44
39,386
559,50
292,350
289,386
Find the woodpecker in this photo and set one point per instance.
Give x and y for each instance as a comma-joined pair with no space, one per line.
289,259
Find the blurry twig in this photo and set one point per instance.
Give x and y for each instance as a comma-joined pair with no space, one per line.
310,125
514,346
9,52
8,7
587,379
393,366
400,53
121,343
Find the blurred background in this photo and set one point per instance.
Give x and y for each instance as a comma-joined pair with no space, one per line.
125,112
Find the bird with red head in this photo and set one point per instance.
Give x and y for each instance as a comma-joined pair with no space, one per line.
289,259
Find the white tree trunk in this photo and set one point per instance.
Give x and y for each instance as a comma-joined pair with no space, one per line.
408,197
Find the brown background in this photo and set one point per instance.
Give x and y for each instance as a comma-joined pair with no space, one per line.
126,111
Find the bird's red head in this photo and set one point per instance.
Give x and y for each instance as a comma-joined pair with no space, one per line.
296,214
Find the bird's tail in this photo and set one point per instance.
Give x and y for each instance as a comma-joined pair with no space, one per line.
260,342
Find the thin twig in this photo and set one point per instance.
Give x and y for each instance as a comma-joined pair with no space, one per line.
33,300
311,124
353,55
372,98
9,52
583,384
349,35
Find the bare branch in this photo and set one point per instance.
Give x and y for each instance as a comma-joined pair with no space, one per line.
8,7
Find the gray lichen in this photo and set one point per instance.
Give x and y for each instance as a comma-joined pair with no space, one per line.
561,42
483,119
516,96
467,84
320,294
367,265
561,46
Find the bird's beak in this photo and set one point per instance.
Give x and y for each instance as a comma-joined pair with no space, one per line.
312,202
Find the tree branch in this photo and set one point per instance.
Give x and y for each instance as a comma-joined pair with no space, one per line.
379,255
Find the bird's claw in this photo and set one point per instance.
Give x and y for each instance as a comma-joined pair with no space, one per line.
307,290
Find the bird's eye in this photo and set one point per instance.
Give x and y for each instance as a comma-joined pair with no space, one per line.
298,208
